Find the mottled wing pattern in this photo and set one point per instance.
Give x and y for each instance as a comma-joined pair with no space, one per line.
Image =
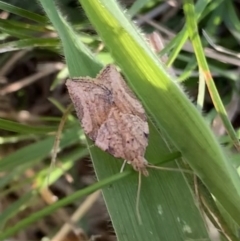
123,97
92,102
109,136
124,136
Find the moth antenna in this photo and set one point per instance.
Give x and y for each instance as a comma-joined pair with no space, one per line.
123,166
138,198
169,169
57,141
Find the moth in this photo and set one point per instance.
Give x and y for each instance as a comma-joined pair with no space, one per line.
111,116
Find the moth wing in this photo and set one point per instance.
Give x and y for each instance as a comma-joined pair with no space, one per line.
123,96
92,103
109,138
134,136
123,135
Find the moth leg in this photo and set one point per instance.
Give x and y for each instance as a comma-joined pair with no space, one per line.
123,166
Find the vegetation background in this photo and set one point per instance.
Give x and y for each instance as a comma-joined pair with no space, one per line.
39,50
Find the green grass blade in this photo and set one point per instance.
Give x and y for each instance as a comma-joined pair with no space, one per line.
39,150
29,43
14,208
21,128
231,19
203,8
191,65
181,38
17,138
22,12
20,30
137,5
82,64
204,70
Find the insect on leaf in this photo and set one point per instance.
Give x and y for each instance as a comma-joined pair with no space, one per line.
111,116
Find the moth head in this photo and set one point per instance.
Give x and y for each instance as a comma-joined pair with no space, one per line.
140,165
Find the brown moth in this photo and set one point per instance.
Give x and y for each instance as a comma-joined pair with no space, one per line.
111,116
